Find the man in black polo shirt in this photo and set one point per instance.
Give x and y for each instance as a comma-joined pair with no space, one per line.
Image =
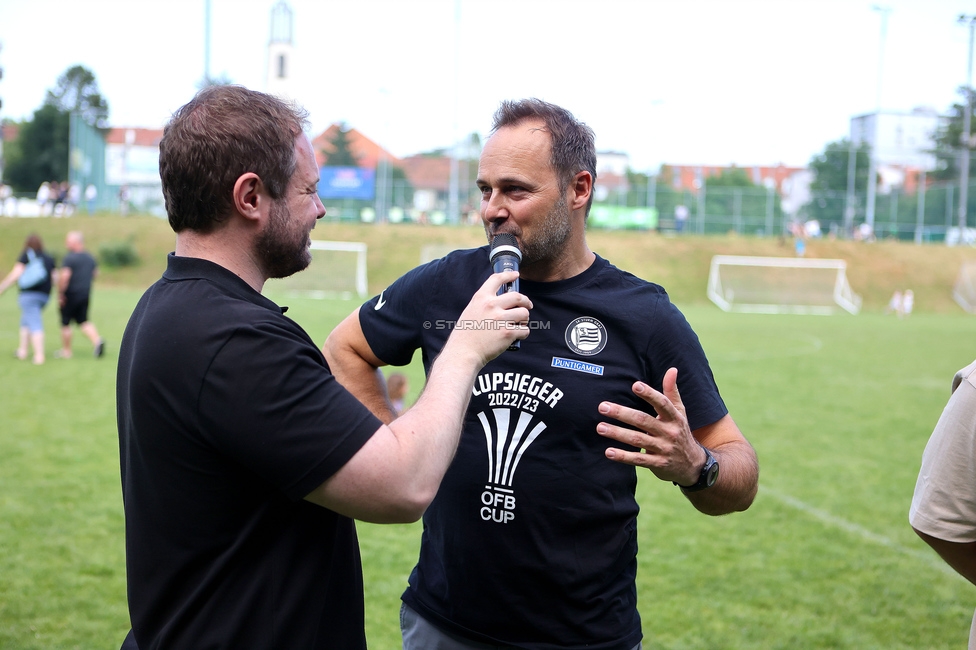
243,460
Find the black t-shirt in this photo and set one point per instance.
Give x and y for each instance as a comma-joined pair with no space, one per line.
532,538
82,266
228,416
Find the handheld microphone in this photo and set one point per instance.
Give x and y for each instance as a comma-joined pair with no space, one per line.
505,255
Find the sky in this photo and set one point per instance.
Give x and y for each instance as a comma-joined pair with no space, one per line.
717,82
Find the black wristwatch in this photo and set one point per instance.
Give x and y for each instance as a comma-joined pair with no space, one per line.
708,476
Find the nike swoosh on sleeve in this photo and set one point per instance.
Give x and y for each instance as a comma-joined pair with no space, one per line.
380,302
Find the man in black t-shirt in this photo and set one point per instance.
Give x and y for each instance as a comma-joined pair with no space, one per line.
78,270
244,462
531,541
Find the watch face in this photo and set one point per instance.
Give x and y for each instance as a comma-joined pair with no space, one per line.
712,475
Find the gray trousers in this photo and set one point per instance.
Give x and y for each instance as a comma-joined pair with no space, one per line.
419,634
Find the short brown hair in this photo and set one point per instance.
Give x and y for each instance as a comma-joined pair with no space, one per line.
223,132
572,142
34,243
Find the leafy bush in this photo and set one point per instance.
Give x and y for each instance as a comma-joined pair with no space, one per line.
118,254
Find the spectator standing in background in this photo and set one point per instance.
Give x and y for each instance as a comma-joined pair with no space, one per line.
91,193
59,199
43,196
5,193
908,302
74,198
124,200
680,217
78,271
32,272
897,304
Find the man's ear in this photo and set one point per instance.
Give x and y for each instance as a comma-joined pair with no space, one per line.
249,195
580,187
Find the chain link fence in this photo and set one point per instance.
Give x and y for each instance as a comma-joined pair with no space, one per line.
929,214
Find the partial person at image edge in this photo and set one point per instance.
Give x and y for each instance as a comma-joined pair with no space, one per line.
943,511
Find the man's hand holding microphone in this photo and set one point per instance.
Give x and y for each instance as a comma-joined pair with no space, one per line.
496,319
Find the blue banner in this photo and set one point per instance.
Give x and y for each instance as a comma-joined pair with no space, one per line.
346,183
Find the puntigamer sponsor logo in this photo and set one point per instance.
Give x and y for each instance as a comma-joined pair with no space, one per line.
578,366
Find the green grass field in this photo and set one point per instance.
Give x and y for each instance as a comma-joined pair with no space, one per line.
839,409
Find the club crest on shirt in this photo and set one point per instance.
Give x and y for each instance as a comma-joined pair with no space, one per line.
586,336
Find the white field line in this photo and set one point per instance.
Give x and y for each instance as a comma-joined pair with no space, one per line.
928,557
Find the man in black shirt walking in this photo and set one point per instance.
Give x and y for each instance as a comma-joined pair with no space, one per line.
78,271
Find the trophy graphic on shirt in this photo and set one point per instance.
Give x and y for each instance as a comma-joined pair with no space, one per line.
505,445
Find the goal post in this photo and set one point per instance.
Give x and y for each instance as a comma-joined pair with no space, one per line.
780,285
338,270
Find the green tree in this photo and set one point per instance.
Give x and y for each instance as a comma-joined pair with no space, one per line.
734,202
732,177
828,189
339,153
77,92
41,151
948,143
667,192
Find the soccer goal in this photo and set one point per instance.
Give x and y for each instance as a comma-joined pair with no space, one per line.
338,270
964,291
780,285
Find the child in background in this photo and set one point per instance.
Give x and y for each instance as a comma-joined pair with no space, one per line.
896,304
908,302
396,387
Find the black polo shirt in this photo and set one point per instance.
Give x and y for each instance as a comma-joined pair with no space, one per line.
228,416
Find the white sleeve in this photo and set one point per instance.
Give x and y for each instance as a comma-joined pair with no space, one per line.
944,503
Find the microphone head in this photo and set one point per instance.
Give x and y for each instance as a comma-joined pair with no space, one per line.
504,243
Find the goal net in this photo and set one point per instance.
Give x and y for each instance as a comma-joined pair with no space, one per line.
780,285
338,270
964,291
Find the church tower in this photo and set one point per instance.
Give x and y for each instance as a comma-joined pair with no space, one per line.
280,52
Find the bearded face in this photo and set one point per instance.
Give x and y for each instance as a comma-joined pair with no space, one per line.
549,243
283,246
544,243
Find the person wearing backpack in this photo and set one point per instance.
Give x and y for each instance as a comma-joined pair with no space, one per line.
32,273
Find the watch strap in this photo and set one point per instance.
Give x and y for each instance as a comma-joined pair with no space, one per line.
707,477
